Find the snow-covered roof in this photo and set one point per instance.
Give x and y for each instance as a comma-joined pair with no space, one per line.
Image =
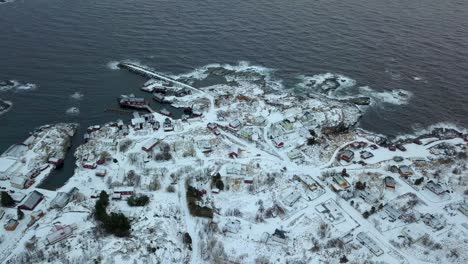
235,169
18,180
413,232
59,233
124,189
60,200
32,200
16,150
137,121
6,163
369,243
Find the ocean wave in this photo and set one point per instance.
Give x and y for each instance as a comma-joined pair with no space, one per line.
202,72
418,130
330,84
396,97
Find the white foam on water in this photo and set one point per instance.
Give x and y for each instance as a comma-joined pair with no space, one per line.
243,66
76,96
314,82
18,86
9,108
26,87
396,97
7,1
396,76
113,65
5,88
73,111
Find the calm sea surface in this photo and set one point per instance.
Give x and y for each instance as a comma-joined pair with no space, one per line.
64,47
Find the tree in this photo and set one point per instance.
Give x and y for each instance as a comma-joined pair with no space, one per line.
360,186
7,201
365,214
343,259
118,224
141,200
419,181
20,214
115,223
188,240
217,182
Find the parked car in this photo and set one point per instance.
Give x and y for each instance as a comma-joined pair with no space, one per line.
401,147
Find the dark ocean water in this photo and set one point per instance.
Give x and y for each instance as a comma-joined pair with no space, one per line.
64,47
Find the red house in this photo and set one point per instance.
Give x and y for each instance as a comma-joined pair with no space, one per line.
248,179
124,190
234,152
347,155
389,182
90,166
278,144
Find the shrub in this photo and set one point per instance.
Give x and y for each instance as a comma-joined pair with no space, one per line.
141,200
419,181
125,144
188,240
365,214
170,189
217,182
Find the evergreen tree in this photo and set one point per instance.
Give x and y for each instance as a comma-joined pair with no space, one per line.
7,201
115,223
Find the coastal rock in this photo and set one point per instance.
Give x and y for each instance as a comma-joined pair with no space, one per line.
364,100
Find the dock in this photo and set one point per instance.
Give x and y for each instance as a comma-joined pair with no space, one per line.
153,75
123,111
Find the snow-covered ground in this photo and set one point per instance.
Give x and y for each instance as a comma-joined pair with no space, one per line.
270,169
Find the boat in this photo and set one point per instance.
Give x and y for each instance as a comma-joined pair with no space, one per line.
160,89
130,101
165,112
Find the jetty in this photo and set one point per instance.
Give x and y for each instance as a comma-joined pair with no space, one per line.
152,74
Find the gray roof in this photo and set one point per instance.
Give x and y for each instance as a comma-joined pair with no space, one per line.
33,199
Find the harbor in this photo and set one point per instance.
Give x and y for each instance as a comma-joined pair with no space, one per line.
164,90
